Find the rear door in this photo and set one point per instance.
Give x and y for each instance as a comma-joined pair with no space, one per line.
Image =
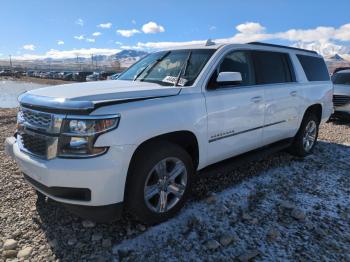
235,111
275,72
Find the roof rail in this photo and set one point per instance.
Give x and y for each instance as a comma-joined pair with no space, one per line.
283,46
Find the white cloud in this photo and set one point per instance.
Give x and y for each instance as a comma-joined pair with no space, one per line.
56,54
97,34
128,33
212,28
90,40
60,42
30,47
118,43
105,25
343,33
152,28
80,22
79,37
133,21
250,28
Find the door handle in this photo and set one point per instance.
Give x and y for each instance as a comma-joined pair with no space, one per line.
256,99
293,93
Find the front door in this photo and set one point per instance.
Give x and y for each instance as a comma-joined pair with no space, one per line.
235,111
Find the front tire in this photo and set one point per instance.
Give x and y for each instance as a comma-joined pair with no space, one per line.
306,138
159,182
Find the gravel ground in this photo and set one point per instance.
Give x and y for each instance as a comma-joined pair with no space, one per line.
280,208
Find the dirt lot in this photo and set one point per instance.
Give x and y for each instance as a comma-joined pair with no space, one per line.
37,80
281,209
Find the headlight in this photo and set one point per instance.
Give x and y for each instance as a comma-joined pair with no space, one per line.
79,134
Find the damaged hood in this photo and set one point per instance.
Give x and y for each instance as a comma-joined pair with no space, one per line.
86,96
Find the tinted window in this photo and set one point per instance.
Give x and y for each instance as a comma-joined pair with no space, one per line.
272,67
314,67
237,61
341,78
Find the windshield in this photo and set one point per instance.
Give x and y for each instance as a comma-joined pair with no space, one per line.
169,68
341,79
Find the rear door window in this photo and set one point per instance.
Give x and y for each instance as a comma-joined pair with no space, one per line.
314,67
272,67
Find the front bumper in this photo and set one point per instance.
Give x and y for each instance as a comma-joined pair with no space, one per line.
97,181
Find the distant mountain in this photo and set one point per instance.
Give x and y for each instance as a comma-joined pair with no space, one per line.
129,54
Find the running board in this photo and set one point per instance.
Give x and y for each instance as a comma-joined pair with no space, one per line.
254,155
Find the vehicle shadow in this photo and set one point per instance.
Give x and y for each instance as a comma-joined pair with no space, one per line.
70,240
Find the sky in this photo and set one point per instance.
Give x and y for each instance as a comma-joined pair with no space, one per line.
37,29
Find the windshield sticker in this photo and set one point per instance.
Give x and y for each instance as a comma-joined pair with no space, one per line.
173,79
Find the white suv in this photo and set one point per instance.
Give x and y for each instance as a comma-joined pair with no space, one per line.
137,142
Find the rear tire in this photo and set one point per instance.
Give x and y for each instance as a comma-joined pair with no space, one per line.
306,138
159,182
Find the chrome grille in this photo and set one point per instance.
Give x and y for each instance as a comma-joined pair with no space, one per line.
38,132
35,118
33,144
341,100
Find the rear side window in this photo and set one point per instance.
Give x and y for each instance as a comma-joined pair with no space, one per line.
272,67
314,67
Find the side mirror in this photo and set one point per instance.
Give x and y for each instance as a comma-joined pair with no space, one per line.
229,77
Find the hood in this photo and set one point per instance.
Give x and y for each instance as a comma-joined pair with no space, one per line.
87,96
342,89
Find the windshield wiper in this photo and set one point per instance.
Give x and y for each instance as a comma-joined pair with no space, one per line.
183,68
148,68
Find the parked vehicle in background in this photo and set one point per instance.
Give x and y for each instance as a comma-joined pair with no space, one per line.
6,72
81,76
68,77
136,143
30,73
113,77
105,75
341,97
93,77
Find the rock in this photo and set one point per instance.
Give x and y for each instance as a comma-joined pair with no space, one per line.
273,234
254,221
298,214
141,227
246,216
10,244
249,255
9,253
72,241
96,237
211,199
122,253
212,244
226,239
53,243
25,252
88,224
106,243
287,205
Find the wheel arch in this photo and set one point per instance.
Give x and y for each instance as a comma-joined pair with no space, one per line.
316,109
184,138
